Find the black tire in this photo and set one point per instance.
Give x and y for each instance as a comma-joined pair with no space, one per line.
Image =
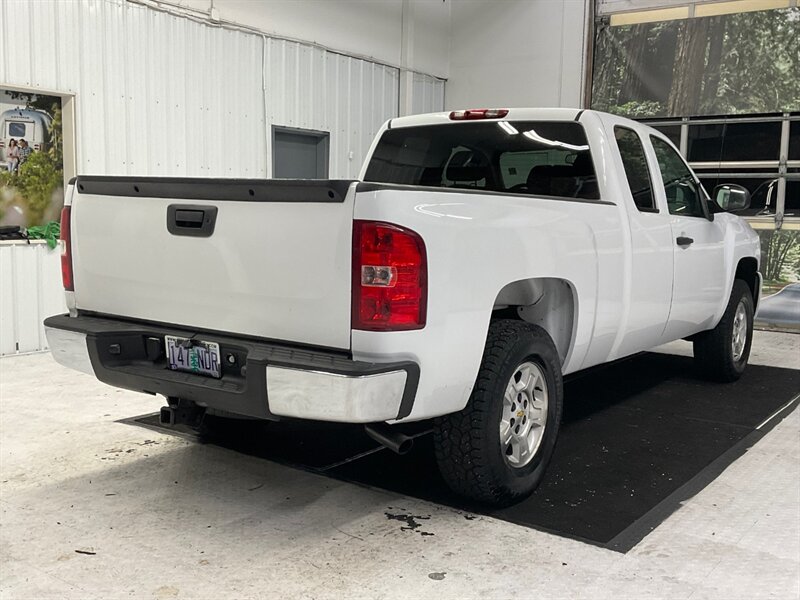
713,349
467,443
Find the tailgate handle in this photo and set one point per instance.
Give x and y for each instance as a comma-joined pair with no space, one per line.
191,219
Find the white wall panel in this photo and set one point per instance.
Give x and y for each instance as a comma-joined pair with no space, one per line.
427,95
362,28
310,88
158,94
155,94
161,94
8,319
30,275
516,53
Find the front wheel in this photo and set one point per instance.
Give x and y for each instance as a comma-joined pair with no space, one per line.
722,352
497,448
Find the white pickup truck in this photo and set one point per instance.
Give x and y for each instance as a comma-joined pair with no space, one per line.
481,255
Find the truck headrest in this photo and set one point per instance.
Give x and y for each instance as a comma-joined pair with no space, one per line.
467,165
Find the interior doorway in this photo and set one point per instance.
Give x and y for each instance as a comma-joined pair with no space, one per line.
299,153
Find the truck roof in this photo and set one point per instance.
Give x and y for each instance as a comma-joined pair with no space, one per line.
514,114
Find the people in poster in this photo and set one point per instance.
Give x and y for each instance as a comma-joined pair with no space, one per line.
12,156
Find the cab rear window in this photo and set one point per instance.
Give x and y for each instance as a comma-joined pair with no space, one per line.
540,158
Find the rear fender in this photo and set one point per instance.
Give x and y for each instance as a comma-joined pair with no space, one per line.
547,302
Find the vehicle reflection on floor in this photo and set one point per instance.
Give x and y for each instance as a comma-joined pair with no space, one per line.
780,310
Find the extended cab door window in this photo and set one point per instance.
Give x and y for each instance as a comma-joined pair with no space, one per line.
684,195
636,171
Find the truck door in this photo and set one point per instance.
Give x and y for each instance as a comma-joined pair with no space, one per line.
698,247
650,283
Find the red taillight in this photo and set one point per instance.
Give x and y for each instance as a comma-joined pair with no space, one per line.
478,113
66,251
390,278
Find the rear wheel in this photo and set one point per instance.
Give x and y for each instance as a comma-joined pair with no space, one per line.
722,352
497,448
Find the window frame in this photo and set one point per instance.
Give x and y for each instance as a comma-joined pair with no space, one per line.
655,209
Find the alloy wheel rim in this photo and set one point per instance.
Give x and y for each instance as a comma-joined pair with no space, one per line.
739,337
524,416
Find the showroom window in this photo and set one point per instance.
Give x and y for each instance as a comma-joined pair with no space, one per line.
720,82
794,141
731,141
721,87
763,188
636,171
757,152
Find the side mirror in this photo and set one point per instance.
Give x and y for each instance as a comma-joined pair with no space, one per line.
731,197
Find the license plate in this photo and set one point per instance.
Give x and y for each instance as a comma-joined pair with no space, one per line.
193,356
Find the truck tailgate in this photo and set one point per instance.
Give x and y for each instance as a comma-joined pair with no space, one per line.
277,264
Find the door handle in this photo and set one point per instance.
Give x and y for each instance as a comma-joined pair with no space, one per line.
191,219
684,242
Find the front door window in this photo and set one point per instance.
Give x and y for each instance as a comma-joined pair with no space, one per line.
684,194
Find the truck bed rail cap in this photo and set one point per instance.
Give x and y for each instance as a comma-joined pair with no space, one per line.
244,190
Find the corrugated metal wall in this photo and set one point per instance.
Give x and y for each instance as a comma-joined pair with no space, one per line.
158,94
155,94
31,290
427,94
310,88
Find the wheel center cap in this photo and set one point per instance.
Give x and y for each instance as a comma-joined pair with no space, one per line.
520,414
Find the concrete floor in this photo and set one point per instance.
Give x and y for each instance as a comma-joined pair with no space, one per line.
92,508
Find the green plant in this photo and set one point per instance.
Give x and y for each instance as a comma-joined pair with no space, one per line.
638,109
780,255
39,177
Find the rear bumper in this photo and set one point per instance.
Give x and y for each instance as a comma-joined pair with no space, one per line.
266,380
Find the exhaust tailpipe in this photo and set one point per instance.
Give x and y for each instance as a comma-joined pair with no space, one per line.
389,437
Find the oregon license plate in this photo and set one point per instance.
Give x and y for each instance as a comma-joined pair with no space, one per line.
193,356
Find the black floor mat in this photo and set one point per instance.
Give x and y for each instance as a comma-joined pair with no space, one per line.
637,437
